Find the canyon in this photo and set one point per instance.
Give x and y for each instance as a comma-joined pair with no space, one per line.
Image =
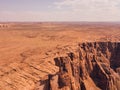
60,56
92,66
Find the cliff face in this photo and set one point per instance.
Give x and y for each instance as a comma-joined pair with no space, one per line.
92,66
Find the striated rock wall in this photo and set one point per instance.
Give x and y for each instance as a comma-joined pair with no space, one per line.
92,66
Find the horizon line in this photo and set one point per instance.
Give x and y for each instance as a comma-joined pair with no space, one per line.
59,21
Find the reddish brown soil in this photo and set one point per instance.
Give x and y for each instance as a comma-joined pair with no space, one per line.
28,52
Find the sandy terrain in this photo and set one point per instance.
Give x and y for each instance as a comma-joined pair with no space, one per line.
27,49
17,38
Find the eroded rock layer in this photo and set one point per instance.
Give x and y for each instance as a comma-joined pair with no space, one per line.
91,66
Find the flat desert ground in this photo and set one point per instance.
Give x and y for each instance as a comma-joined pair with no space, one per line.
27,49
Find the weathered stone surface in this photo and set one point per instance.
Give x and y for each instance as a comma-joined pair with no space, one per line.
86,66
95,66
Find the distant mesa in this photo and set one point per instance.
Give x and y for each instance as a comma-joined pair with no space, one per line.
3,25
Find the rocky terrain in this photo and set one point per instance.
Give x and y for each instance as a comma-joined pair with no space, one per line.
92,66
60,56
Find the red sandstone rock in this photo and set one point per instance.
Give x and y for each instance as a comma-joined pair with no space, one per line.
96,69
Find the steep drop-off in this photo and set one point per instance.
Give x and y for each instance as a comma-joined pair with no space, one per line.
91,66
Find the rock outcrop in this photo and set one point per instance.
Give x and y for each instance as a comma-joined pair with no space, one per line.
83,66
92,66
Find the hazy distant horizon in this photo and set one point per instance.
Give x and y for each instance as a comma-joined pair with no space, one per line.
60,21
59,10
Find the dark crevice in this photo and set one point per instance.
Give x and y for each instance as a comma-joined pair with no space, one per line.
97,60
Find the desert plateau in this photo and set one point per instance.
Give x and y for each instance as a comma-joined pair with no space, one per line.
59,56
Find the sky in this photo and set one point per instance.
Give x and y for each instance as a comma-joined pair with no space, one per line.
59,10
